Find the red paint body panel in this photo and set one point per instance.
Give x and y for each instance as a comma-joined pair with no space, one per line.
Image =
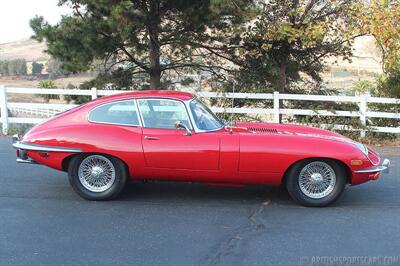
171,149
54,159
251,153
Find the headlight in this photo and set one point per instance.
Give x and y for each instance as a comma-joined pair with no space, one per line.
362,148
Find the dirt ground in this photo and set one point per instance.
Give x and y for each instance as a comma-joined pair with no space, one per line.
22,82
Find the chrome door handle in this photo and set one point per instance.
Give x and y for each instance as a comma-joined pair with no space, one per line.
151,138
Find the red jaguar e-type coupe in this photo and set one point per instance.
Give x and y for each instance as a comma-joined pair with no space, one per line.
171,135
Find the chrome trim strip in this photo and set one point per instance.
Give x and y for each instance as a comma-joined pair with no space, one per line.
37,147
19,160
139,113
165,99
196,129
384,167
113,124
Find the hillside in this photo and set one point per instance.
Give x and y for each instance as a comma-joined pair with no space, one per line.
341,74
28,49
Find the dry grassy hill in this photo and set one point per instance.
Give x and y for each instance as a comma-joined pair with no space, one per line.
28,49
32,50
342,74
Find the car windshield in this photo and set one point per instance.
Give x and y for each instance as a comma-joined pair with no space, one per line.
203,117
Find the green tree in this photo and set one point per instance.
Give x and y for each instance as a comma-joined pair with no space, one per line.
54,69
380,18
389,83
144,36
17,67
291,37
11,68
4,68
37,68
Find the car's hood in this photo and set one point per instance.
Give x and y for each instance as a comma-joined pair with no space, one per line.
288,129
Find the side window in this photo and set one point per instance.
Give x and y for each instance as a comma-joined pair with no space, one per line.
163,113
121,112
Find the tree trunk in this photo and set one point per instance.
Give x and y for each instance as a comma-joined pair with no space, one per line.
154,46
155,72
281,86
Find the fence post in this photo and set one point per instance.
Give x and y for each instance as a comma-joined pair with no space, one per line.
94,93
363,113
3,108
276,107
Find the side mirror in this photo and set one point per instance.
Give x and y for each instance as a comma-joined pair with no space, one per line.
180,125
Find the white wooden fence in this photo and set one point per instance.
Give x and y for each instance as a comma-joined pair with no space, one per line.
42,109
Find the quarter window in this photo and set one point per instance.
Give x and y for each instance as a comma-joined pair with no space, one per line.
121,112
162,113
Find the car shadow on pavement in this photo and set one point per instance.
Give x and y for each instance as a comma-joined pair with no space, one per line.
185,192
197,192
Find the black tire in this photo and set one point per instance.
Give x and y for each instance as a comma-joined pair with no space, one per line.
293,186
121,176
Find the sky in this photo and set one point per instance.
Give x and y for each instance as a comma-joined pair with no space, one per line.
15,16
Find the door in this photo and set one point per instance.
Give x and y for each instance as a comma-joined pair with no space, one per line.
166,147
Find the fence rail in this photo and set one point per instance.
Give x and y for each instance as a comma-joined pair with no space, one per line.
45,109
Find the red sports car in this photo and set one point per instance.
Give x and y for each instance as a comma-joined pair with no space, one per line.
170,135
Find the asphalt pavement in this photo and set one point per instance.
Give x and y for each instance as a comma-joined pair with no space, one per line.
42,221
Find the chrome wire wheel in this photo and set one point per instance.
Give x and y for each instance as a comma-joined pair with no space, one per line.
96,173
317,180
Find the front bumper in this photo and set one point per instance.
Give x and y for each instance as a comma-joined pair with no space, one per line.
381,168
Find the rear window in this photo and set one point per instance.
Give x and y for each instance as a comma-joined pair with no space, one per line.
120,113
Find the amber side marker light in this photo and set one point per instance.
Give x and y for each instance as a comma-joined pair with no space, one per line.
356,162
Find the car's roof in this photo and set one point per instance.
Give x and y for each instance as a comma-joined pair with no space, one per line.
170,94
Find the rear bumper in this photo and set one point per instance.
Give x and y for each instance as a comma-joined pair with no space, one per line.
383,168
22,157
20,160
22,148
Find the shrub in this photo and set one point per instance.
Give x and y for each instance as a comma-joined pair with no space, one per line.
77,99
48,84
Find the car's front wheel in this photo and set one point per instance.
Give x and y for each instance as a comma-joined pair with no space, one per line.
316,183
97,177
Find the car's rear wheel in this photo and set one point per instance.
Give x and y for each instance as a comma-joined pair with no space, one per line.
316,183
97,177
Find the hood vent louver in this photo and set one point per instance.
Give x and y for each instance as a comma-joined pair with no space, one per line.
263,129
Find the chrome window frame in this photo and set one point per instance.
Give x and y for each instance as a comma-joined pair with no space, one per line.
186,104
116,124
164,99
196,129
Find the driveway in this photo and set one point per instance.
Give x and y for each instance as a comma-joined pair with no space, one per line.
42,221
